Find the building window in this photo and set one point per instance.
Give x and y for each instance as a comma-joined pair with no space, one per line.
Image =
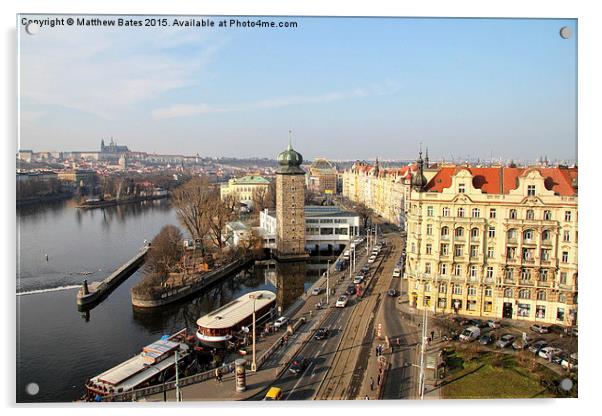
476,213
429,211
513,214
563,278
543,275
457,290
474,251
492,213
530,214
429,248
490,252
458,250
540,312
524,294
457,270
427,287
541,295
445,211
488,292
429,229
565,256
461,212
547,215
490,272
531,190
510,252
444,231
528,235
562,298
491,232
473,271
474,233
459,232
444,248
472,291
566,236
545,235
443,269
442,303
525,274
560,314
413,248
567,215
507,293
443,288
488,307
512,234
427,268
461,188
524,310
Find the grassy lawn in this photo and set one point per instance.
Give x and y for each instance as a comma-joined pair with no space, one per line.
488,375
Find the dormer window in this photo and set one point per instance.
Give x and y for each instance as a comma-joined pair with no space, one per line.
531,190
461,188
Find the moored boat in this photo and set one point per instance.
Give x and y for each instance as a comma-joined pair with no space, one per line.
219,326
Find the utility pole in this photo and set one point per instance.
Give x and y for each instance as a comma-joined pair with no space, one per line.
327,280
254,363
422,357
354,259
178,394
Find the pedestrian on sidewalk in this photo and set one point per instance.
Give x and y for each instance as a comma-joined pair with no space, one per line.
378,380
398,341
428,341
432,335
371,384
376,350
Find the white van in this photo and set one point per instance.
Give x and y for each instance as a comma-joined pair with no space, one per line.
470,334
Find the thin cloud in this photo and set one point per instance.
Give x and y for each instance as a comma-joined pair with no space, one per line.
186,110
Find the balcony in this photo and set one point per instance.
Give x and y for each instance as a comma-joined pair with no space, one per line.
526,282
509,281
544,283
445,237
511,240
489,280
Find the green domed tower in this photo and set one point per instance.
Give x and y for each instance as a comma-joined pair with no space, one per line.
290,204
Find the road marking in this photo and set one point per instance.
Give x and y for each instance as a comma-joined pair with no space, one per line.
298,381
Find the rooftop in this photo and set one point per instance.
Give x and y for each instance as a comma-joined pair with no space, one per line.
234,312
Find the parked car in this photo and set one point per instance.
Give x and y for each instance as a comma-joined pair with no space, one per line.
341,301
316,291
396,272
365,269
321,333
478,322
570,362
350,290
540,329
346,255
487,339
393,292
494,324
298,365
358,279
557,359
470,334
505,341
546,352
556,329
521,344
280,322
537,345
371,259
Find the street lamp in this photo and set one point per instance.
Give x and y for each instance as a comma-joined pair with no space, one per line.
254,363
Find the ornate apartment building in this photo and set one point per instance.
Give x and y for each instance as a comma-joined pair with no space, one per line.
498,242
385,191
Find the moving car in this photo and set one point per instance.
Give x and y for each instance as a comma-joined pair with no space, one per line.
316,291
298,365
371,259
396,272
346,255
470,334
358,279
350,290
540,329
537,345
341,301
274,393
321,333
365,269
393,292
487,339
546,352
505,341
280,322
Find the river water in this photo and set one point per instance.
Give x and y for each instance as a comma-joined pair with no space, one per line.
58,348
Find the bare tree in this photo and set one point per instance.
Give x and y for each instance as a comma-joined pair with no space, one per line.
166,250
193,203
364,212
221,212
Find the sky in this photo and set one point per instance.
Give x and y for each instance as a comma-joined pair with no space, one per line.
347,88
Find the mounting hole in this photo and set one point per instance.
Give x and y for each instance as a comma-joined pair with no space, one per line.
32,28
32,389
566,384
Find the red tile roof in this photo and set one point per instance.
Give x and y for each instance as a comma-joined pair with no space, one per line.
501,180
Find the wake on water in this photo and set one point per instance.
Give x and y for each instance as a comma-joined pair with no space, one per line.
51,289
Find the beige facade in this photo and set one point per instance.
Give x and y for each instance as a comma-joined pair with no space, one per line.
495,242
244,189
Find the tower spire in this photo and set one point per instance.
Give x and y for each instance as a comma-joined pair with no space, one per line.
290,139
